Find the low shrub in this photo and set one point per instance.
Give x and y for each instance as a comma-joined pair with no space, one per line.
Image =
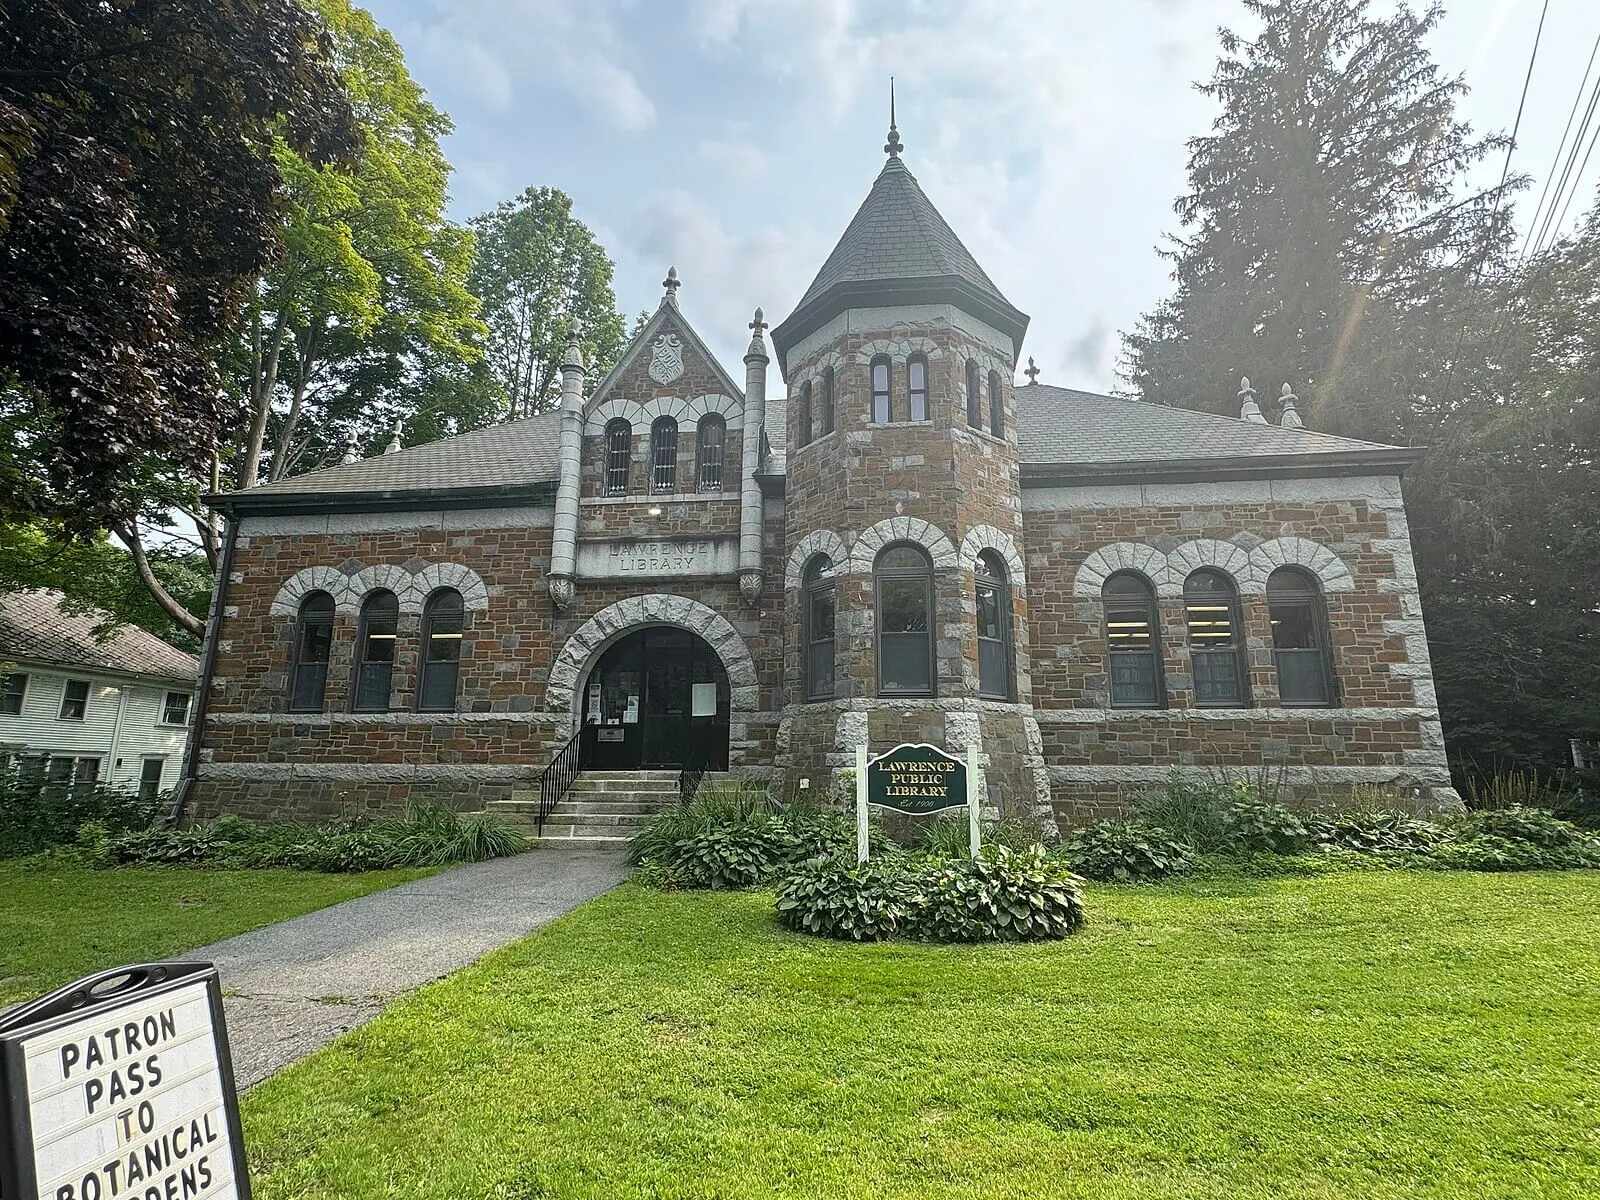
1493,852
37,816
1378,832
1191,810
729,856
1125,851
1521,824
425,836
1003,895
1251,826
833,896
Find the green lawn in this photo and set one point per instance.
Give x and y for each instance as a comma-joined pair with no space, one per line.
1357,1035
59,920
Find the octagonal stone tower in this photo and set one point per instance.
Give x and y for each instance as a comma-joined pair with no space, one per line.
902,505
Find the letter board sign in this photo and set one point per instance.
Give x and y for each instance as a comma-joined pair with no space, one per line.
917,779
121,1086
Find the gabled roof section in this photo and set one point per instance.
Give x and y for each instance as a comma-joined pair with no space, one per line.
1064,435
667,314
34,628
501,462
898,249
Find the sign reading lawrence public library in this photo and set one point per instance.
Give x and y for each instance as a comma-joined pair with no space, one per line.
121,1093
917,779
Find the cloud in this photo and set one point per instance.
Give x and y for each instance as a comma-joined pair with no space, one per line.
1088,351
738,154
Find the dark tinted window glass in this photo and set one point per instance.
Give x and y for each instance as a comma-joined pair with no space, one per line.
904,586
619,455
805,413
75,700
710,447
380,632
443,620
974,402
312,642
819,628
1132,646
13,688
1215,640
994,628
880,391
827,401
1299,649
997,406
917,389
664,455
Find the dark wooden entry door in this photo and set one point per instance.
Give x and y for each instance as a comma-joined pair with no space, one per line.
658,698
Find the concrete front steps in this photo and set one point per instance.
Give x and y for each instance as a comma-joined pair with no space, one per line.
601,806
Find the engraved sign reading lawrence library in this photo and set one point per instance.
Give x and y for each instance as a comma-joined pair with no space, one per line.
634,558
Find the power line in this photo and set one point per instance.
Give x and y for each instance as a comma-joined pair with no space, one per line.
1534,242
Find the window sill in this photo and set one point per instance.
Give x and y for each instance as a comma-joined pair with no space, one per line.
821,437
984,434
660,498
928,423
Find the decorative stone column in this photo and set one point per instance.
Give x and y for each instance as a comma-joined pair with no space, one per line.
750,501
564,548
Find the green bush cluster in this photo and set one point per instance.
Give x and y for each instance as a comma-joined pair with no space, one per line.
425,836
37,816
1239,825
1001,895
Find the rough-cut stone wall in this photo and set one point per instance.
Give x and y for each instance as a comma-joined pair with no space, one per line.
1348,533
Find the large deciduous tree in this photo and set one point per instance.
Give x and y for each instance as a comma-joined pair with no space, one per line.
139,203
1325,218
536,268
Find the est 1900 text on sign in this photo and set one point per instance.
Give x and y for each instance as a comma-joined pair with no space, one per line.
917,779
121,1093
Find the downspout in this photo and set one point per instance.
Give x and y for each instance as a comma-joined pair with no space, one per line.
751,502
116,732
564,538
208,663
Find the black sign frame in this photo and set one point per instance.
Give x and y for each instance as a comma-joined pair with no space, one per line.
955,779
97,995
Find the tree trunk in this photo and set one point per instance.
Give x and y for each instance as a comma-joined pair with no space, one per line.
130,536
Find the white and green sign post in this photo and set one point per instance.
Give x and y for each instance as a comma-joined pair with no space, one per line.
918,780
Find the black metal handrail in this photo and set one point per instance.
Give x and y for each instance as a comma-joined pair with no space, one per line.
556,779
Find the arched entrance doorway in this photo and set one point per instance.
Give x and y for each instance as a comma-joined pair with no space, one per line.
658,698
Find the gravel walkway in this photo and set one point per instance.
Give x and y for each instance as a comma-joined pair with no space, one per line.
292,988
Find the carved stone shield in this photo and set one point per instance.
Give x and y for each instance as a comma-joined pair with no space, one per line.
666,358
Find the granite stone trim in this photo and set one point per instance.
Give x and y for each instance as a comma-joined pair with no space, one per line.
328,720
372,772
902,529
924,318
572,665
1370,488
1433,775
411,588
1249,568
899,349
1130,716
524,516
686,410
986,537
818,541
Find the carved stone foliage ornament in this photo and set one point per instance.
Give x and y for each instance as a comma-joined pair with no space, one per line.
563,591
750,585
666,358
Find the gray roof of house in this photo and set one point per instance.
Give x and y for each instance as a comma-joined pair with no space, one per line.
35,628
510,457
1084,432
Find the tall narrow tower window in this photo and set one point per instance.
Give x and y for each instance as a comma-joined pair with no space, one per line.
710,441
917,388
993,596
997,406
974,401
1133,642
805,413
619,456
880,391
827,401
1216,639
442,624
817,633
664,455
380,631
1299,638
902,580
312,640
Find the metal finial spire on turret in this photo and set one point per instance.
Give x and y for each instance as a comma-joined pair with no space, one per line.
893,146
671,283
1032,372
1249,410
758,345
352,449
394,438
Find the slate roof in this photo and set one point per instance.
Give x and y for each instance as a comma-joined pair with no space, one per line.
897,233
517,454
1066,428
35,629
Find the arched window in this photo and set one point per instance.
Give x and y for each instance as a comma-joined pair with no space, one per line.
827,401
1133,642
997,406
375,647
974,401
805,413
902,580
619,456
994,627
816,632
442,621
664,455
710,447
1216,639
1300,646
880,390
917,388
313,637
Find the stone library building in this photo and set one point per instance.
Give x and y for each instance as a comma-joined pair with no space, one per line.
672,573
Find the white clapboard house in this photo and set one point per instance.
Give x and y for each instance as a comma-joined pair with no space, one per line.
75,709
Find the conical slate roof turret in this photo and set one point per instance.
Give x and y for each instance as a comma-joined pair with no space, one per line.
898,249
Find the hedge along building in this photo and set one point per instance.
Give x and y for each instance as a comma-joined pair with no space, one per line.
670,571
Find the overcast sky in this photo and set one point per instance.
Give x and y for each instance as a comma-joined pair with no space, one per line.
735,138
